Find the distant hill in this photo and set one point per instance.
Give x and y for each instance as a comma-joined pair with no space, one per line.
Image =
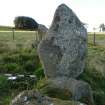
5,28
9,28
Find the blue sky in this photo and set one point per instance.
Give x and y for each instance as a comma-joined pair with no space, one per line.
91,12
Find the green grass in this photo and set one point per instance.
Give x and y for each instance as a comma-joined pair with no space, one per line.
23,62
18,56
18,35
4,91
94,72
22,40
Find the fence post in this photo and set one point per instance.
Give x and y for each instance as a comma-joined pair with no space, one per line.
13,29
94,37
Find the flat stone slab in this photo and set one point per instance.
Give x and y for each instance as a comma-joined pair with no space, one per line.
68,89
35,98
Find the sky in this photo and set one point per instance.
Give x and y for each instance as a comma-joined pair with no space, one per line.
91,12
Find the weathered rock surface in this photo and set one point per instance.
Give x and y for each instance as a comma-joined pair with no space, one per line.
35,98
62,52
69,89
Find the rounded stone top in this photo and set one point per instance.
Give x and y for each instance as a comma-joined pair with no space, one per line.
65,18
63,5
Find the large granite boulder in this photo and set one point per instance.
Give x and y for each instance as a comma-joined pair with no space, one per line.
35,98
62,52
67,89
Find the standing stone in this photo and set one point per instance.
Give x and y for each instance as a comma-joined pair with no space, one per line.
63,50
42,30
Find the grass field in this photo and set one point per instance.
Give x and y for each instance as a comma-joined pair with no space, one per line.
18,56
5,28
21,40
24,37
99,38
18,51
20,36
